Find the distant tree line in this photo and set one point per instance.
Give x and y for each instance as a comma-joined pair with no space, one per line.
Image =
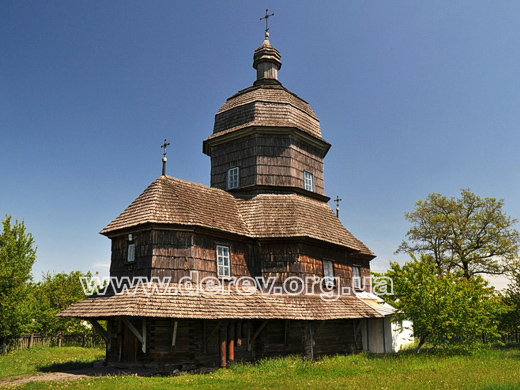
26,306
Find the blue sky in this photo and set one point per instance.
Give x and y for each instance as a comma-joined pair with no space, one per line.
415,97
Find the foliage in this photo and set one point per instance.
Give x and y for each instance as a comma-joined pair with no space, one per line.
470,233
486,368
446,308
17,256
510,321
54,294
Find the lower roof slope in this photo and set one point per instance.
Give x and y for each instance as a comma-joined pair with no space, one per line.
172,201
140,302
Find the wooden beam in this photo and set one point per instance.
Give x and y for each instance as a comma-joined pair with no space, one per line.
174,335
231,341
256,334
133,329
109,334
143,346
102,332
238,333
248,335
223,347
213,332
287,325
318,331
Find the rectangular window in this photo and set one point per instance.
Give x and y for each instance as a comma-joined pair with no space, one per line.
328,272
223,261
308,181
233,178
356,278
130,255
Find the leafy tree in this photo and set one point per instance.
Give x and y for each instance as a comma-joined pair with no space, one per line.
510,321
54,294
446,308
17,256
470,233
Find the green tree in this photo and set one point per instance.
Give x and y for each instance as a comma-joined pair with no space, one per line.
447,308
17,256
54,294
510,321
470,233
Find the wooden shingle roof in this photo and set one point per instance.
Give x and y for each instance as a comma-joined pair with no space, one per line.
137,303
292,215
172,201
266,105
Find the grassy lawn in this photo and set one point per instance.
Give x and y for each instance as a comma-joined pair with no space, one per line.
487,369
46,359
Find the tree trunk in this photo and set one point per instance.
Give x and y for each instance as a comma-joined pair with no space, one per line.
421,342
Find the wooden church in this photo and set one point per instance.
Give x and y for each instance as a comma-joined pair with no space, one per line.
265,217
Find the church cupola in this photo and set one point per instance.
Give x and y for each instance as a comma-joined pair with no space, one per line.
267,139
266,61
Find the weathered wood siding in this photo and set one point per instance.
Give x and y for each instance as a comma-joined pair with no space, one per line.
268,159
197,343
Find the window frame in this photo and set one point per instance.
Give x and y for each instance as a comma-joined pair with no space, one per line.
130,251
233,178
328,279
308,181
357,280
225,267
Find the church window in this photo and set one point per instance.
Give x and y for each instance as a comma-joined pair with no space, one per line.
328,272
308,180
233,178
356,278
130,250
223,263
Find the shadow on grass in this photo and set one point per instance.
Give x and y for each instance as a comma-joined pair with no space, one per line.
66,366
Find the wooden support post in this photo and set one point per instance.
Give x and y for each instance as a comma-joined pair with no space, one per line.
204,331
308,339
231,341
256,334
31,340
120,338
211,334
174,335
109,334
318,331
222,343
248,335
102,332
238,333
143,347
287,325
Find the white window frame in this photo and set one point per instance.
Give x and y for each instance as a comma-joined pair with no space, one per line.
356,278
223,261
233,178
130,252
328,272
308,181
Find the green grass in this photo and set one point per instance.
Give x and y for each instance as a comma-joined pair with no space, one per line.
46,359
489,369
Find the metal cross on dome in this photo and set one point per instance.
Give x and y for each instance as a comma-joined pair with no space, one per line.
266,17
337,200
164,146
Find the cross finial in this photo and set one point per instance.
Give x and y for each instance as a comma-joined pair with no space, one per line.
164,146
337,200
266,17
164,159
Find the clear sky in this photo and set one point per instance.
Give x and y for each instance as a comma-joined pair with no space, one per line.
416,97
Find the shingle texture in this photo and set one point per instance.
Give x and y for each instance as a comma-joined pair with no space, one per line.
265,105
172,201
292,215
220,306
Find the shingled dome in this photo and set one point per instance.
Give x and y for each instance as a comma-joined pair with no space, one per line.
267,103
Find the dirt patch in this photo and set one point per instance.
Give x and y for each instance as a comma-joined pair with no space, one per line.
75,374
